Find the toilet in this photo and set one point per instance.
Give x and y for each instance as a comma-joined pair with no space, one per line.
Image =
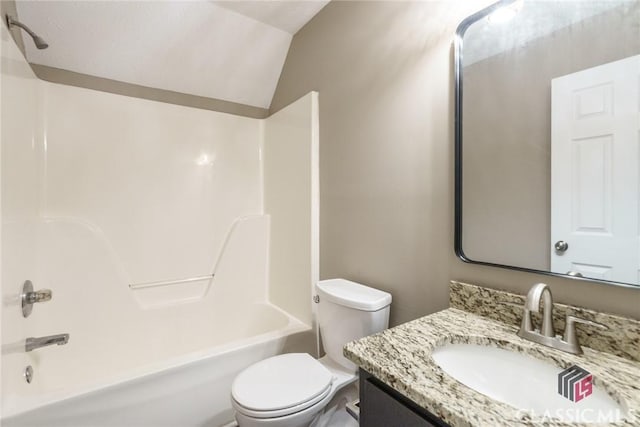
291,390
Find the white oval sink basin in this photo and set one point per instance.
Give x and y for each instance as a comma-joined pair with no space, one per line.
526,383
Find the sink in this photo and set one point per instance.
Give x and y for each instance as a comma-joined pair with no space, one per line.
528,384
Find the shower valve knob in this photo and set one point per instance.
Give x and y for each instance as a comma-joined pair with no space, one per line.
38,296
30,297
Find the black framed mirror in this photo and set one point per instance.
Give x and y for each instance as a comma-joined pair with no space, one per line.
547,138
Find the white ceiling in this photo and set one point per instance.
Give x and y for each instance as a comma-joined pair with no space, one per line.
288,15
230,50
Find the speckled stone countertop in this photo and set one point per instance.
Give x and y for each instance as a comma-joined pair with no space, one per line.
622,336
401,358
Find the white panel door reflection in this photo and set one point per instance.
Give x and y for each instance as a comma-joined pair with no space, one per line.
595,136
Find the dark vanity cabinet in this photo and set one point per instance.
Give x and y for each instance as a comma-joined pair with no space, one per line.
382,406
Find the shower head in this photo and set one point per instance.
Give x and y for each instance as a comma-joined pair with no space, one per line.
39,41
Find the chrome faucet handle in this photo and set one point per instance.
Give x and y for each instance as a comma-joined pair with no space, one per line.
30,297
42,295
570,336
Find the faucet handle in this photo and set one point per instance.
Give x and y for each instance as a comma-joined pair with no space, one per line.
570,328
30,297
41,295
574,319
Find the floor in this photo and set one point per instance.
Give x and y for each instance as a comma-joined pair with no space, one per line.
335,414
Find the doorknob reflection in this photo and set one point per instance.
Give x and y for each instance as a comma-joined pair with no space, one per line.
561,246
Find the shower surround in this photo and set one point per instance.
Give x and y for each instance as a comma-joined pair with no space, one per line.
180,245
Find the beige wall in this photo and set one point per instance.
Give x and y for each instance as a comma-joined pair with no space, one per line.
384,74
507,135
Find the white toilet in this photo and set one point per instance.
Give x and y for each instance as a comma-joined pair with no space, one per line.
290,390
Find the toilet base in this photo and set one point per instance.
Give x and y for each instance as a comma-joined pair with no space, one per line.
294,420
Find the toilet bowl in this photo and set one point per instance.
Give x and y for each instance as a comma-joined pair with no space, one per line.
291,390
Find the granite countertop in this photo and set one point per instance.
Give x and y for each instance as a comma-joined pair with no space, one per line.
401,358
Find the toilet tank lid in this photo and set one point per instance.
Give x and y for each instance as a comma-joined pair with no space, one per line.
353,295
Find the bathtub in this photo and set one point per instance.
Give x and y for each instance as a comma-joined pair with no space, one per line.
189,390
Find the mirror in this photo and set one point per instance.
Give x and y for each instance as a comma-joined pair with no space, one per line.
548,138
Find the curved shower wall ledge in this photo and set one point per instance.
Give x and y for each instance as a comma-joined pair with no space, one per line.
242,262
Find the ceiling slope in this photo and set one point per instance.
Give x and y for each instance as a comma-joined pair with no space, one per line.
288,15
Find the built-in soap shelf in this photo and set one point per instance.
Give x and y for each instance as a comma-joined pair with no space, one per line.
171,292
158,284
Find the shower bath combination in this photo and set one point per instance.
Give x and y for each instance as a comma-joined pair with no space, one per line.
140,341
137,330
37,40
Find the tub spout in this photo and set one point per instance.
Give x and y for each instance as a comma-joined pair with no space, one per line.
34,343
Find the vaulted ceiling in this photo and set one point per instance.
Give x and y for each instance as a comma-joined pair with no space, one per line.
229,50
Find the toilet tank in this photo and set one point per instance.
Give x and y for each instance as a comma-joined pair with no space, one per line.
348,311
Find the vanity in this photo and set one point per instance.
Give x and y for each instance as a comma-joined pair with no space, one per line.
407,377
382,406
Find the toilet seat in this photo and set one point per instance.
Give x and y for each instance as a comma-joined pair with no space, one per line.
281,385
281,412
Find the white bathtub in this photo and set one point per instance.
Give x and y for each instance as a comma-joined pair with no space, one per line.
188,391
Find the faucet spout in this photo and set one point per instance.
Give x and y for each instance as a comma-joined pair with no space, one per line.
35,343
542,292
546,334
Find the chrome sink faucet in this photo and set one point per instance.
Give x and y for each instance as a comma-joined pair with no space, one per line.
532,304
546,334
34,343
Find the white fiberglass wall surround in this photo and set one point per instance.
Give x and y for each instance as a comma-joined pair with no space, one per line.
103,194
158,187
20,204
291,197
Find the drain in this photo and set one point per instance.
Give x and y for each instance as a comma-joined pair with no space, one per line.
28,374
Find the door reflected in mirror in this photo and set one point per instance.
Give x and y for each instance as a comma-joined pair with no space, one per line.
548,138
